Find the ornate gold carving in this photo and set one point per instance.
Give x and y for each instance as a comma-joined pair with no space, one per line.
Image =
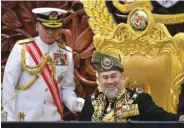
150,43
159,18
100,21
125,8
155,41
169,19
177,55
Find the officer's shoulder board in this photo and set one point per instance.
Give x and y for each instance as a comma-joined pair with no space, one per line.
28,40
63,46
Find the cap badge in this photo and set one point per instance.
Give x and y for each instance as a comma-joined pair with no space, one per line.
107,63
53,16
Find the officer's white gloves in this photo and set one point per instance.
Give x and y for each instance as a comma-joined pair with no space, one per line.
78,105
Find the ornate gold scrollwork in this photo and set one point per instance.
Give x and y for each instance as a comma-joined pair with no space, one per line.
154,42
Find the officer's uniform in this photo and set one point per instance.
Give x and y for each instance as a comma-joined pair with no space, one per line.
36,103
128,104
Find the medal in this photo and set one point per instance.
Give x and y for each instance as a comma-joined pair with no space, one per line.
60,78
108,108
65,58
123,108
60,58
57,58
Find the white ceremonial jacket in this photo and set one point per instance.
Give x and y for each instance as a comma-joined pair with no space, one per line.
36,102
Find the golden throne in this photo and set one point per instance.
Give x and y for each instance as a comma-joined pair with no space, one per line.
151,56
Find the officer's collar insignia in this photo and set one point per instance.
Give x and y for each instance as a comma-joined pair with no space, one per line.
63,46
53,16
106,63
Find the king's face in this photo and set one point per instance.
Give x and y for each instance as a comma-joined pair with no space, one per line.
111,80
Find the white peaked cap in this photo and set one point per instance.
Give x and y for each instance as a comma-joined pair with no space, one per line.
46,11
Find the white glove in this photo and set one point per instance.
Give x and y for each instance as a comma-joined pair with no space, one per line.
78,105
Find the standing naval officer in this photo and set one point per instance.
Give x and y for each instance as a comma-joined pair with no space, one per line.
38,76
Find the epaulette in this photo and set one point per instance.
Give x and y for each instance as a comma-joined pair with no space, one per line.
63,46
25,41
68,48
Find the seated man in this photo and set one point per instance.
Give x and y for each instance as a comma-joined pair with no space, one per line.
113,102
